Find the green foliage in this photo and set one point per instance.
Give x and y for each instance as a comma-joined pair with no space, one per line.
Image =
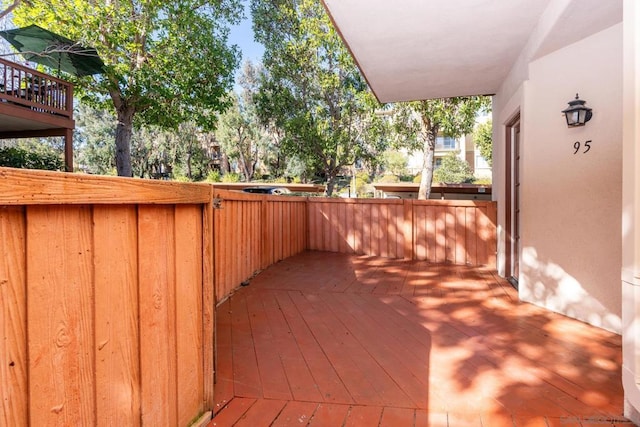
166,63
231,177
395,162
483,181
214,176
95,133
242,138
483,138
312,91
33,157
155,153
417,124
388,179
453,170
362,183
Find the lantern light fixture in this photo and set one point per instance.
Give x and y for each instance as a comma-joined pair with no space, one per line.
576,113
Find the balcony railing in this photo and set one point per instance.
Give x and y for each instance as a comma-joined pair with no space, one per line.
23,86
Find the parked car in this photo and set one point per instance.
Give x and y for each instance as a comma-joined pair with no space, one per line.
267,190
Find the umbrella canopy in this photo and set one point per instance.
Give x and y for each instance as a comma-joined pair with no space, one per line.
55,51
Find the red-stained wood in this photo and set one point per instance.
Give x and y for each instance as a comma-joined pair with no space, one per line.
367,229
231,413
118,393
461,237
60,315
363,416
208,306
156,246
295,414
471,242
329,415
263,409
189,317
32,187
14,385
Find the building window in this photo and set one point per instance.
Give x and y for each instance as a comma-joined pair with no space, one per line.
481,163
445,143
437,163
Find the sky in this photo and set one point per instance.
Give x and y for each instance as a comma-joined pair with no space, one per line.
242,35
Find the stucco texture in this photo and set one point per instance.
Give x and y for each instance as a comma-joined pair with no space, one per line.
571,201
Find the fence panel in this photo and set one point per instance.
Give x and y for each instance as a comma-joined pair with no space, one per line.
110,293
452,231
252,232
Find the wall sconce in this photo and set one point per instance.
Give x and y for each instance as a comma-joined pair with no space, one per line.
577,114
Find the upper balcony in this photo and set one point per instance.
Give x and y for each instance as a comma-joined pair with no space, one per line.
35,104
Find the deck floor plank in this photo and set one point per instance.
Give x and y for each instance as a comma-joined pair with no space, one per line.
334,339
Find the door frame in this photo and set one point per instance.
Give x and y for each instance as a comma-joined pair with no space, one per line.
512,198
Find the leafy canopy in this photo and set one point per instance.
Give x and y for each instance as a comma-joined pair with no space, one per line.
167,60
453,170
483,137
312,89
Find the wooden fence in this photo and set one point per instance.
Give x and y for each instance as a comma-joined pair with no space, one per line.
455,231
252,232
107,303
108,286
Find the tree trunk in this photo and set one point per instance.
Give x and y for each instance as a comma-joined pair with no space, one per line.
428,152
331,182
124,131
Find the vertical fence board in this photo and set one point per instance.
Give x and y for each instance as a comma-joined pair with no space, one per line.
483,257
157,314
189,291
376,231
208,306
408,230
450,233
471,236
14,391
60,315
384,230
460,233
341,229
367,232
117,339
492,237
358,224
440,234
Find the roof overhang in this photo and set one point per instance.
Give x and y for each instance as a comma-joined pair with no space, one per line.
418,49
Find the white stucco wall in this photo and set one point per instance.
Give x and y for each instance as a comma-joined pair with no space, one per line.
571,203
631,212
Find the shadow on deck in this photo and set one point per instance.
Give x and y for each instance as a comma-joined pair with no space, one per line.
326,339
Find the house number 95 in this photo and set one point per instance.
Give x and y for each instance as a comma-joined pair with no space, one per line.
584,147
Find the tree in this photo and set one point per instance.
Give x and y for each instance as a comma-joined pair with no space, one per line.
95,131
453,170
7,6
483,137
240,134
395,162
240,137
166,63
418,124
312,89
31,154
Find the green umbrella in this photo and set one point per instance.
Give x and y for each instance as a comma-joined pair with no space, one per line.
52,50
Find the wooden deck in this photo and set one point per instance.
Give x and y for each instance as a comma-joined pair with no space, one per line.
326,339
